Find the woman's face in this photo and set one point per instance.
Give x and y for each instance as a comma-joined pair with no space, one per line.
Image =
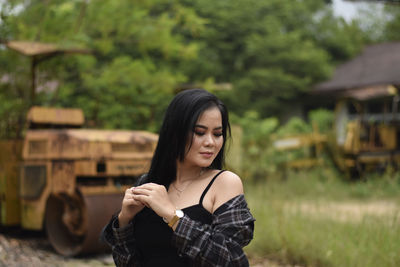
207,139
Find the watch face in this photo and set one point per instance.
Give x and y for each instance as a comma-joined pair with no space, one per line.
179,213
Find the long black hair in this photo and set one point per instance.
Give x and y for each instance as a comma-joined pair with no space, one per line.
177,131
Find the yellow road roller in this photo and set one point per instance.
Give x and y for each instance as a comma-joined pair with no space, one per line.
66,180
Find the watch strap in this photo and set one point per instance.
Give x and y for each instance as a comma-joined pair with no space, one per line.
173,221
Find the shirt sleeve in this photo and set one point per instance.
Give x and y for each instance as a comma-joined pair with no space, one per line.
122,243
121,240
222,242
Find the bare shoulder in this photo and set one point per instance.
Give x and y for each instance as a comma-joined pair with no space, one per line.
227,186
229,181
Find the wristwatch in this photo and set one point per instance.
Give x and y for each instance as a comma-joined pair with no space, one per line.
178,214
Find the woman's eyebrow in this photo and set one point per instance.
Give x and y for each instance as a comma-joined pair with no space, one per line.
205,127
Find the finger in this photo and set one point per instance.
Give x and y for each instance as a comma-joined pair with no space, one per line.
128,196
128,192
141,191
131,202
149,186
142,199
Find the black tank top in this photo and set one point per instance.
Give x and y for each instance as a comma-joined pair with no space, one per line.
153,236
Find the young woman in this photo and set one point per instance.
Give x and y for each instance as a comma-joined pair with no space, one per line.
186,211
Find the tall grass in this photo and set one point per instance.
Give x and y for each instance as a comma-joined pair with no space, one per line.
297,237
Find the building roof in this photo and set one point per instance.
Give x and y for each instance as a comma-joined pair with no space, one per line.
377,65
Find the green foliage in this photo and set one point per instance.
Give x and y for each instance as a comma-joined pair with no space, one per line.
132,97
294,126
127,81
322,118
341,39
257,159
271,51
262,159
391,30
14,94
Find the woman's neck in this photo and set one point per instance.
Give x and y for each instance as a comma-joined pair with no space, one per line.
185,174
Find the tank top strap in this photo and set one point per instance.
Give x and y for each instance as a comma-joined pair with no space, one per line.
208,187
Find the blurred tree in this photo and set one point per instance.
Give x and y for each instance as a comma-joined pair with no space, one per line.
271,51
392,27
134,68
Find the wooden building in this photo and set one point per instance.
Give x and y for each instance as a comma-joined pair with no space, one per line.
367,119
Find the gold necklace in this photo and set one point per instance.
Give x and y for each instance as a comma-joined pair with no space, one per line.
180,191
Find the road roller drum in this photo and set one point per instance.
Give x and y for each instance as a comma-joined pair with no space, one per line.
73,223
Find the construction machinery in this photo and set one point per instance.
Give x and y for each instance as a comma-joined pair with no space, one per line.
67,180
365,134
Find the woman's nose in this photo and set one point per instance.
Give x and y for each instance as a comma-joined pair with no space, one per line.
209,140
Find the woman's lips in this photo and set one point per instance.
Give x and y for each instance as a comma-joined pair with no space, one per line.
206,154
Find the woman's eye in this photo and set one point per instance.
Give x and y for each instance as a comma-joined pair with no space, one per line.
218,134
199,133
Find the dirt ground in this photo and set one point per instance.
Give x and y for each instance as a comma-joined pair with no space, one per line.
25,248
348,211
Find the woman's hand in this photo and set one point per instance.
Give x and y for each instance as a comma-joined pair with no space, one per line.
130,207
156,197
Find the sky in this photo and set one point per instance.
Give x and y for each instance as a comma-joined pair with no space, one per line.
349,10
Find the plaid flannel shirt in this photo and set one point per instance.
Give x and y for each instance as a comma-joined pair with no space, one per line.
218,244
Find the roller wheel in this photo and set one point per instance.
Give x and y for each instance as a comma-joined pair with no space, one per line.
73,223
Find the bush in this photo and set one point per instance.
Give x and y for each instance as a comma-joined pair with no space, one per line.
322,118
260,159
256,145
